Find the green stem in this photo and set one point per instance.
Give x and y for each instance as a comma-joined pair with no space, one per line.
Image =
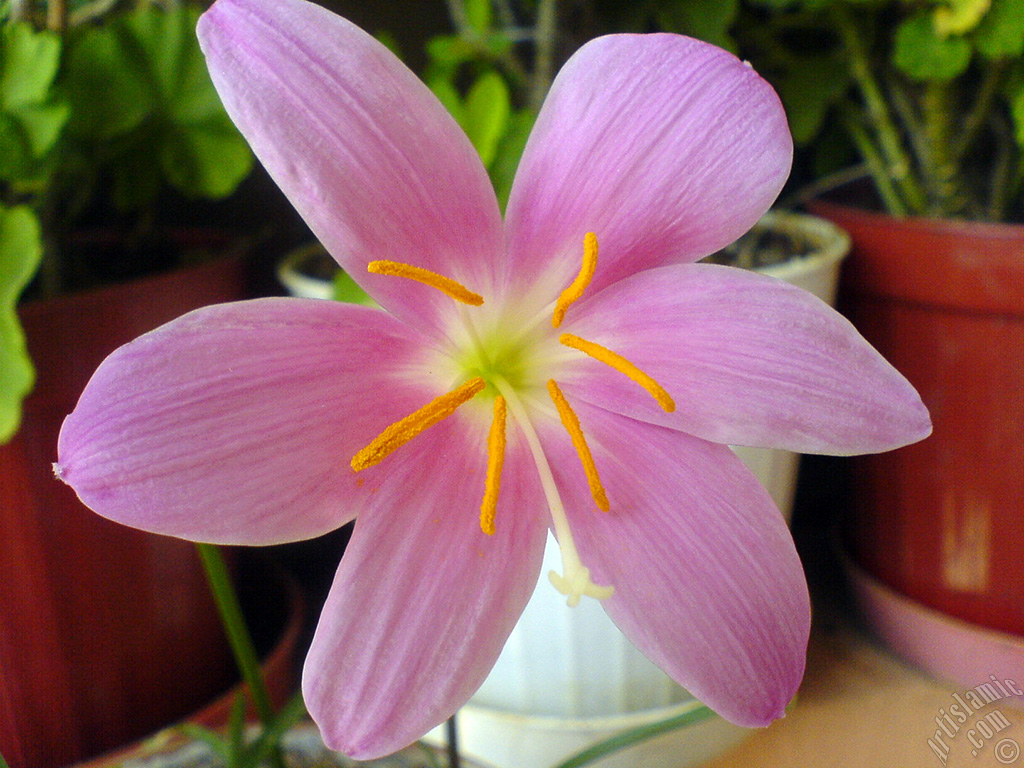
897,165
457,13
3,763
991,80
19,12
1002,182
633,736
234,625
876,164
544,60
57,15
938,130
907,111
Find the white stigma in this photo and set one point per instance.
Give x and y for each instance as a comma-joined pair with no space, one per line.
574,581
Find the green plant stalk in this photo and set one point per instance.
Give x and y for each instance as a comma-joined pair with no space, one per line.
875,162
978,115
938,129
896,166
636,735
1003,183
907,111
457,13
545,32
19,12
234,626
57,15
3,763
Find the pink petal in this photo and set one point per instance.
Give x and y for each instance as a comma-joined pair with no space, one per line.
424,601
707,581
236,423
364,151
665,147
748,359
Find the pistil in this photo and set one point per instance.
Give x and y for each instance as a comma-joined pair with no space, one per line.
574,581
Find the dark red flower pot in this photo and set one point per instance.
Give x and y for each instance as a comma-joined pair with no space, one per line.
942,521
106,633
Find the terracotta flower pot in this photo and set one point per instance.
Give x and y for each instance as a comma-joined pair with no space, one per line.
106,632
273,588
942,521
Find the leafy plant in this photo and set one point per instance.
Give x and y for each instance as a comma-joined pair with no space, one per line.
492,73
930,93
104,106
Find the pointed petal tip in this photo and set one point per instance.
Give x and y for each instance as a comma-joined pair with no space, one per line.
356,738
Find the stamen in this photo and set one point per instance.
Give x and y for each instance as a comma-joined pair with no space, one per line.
401,432
574,581
444,284
622,365
495,461
579,285
572,425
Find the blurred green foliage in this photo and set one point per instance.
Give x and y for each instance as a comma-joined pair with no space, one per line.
104,105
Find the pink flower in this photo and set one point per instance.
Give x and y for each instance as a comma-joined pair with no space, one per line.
464,420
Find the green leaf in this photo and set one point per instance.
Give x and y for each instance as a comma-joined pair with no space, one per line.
209,159
1001,31
21,249
958,17
809,87
31,114
28,64
1017,112
211,738
108,85
448,95
137,177
506,161
157,38
920,53
347,289
42,125
777,4
388,40
14,149
487,109
709,20
272,734
167,44
478,14
448,51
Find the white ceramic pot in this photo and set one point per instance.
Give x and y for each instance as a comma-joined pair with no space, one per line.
568,678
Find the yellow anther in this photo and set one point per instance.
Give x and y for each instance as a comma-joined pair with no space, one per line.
446,285
401,432
579,285
622,365
572,425
495,461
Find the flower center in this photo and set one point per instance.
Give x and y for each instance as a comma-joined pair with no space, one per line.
506,368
